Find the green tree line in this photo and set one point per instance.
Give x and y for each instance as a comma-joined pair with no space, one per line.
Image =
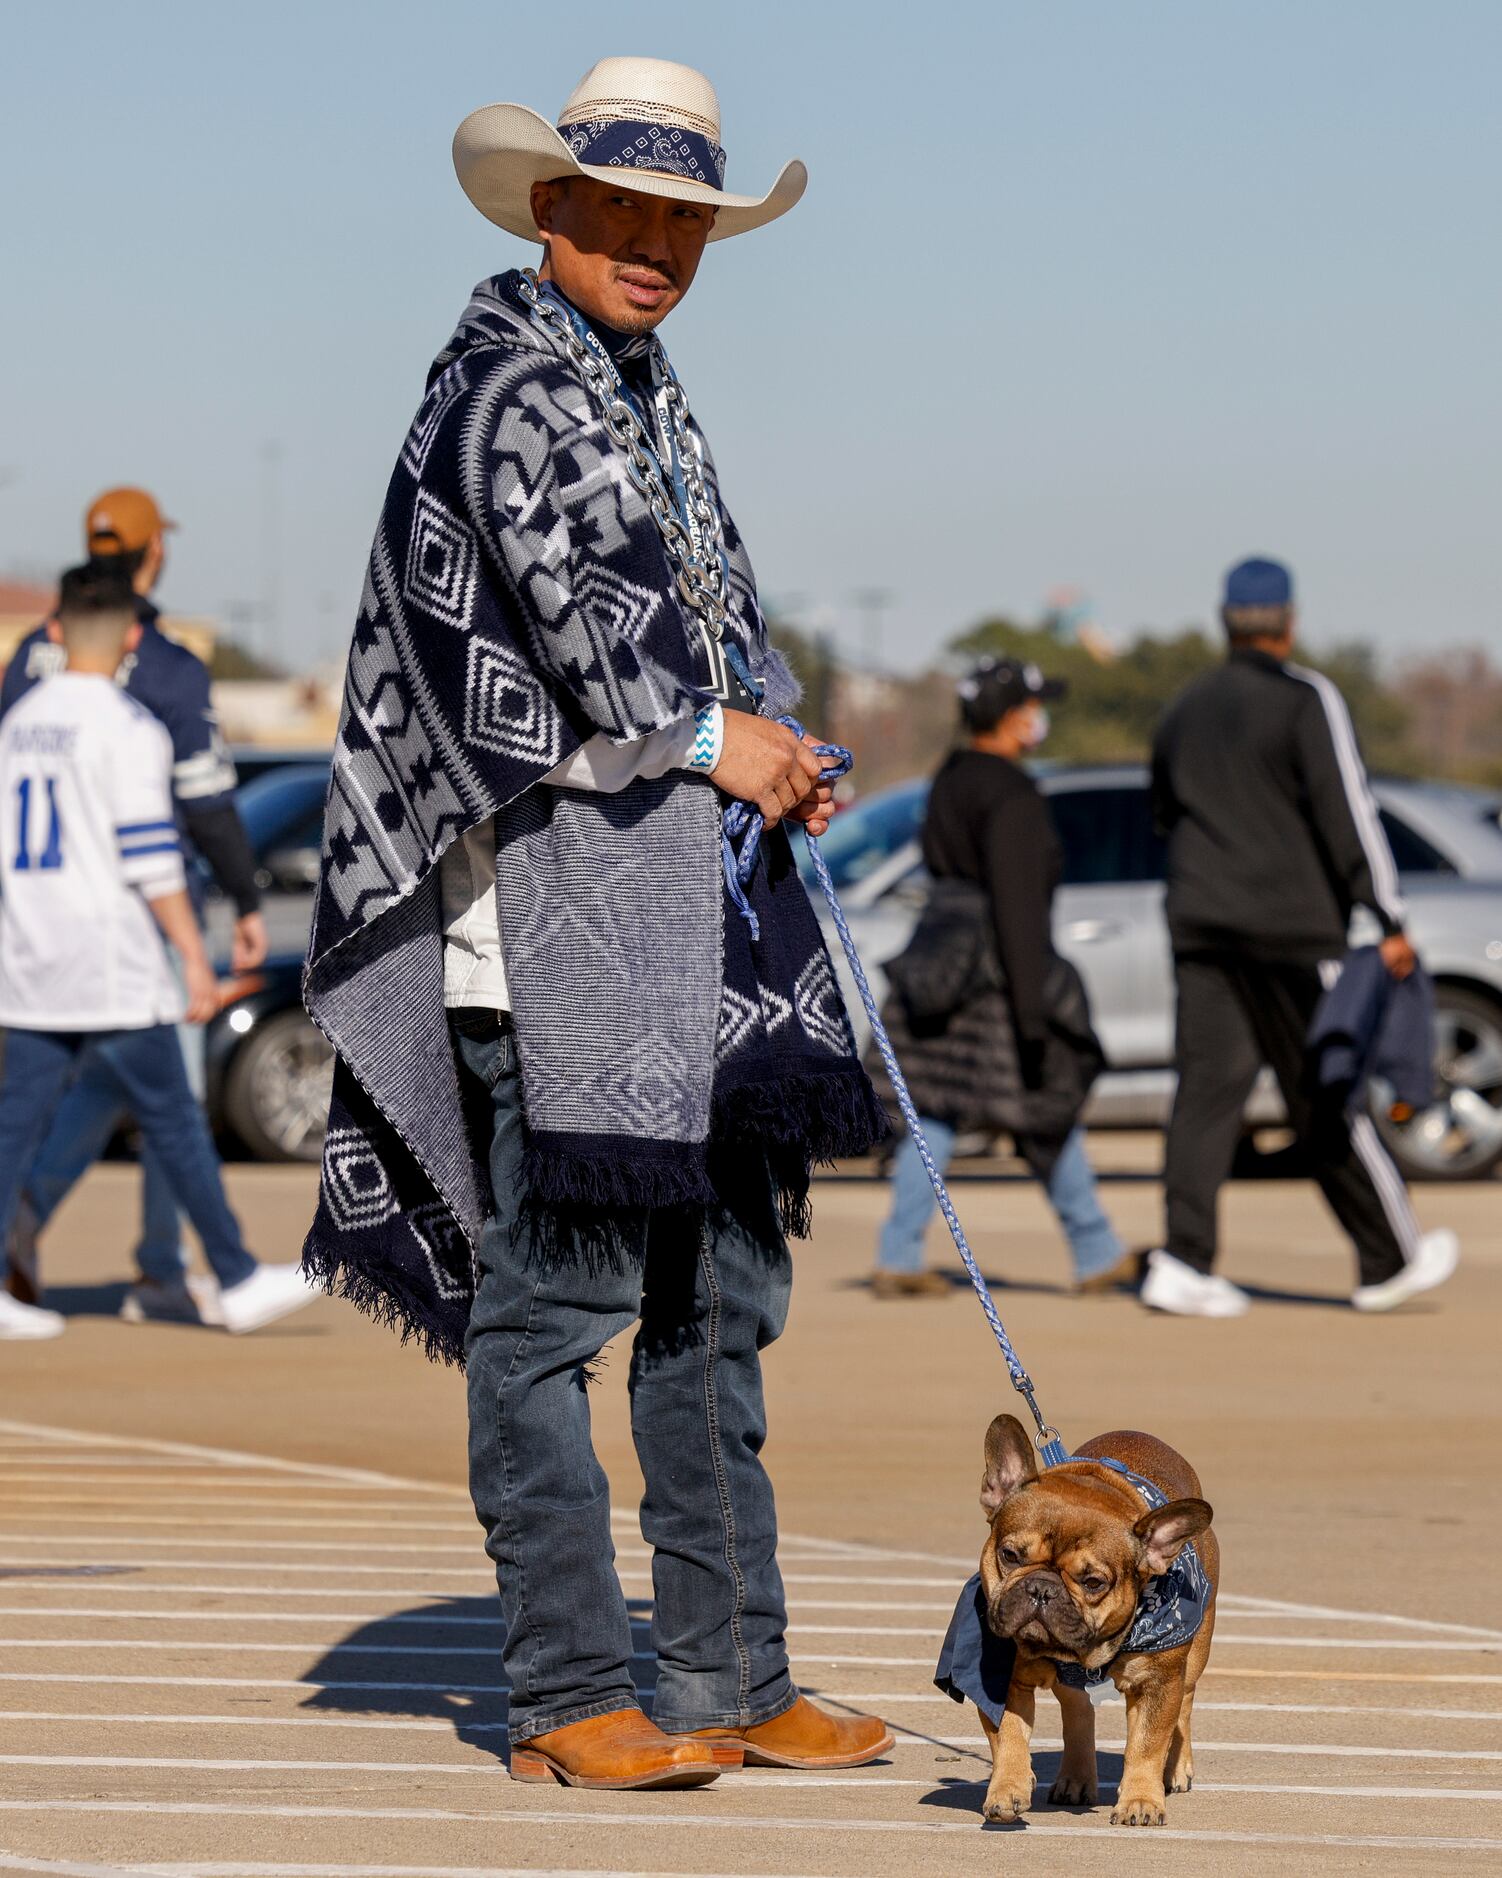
1114,703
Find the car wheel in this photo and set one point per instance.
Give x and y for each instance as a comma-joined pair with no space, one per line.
276,1096
1460,1136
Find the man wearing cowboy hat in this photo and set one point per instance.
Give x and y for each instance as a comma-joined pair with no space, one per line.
530,916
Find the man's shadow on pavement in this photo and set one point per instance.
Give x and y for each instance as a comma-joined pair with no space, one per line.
454,1674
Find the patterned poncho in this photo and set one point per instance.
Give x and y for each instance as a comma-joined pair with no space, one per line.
519,601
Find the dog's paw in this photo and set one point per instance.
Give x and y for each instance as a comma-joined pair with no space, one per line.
1139,1807
1183,1779
1002,1808
1073,1790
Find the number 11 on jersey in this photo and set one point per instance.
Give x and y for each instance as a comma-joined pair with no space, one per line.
51,856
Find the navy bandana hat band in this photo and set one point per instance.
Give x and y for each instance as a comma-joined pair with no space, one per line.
627,143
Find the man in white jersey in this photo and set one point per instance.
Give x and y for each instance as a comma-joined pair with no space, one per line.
91,884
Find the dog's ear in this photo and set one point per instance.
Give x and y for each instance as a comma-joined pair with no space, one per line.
1009,1462
1167,1530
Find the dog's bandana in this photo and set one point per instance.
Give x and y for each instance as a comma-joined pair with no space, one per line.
975,1664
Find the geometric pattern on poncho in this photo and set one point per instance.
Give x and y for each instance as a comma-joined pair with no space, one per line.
517,600
442,564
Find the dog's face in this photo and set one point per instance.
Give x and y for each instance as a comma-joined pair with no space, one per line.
1070,1550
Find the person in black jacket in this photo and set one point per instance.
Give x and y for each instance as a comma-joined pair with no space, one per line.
1273,841
991,1027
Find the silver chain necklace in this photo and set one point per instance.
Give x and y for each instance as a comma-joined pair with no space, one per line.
700,575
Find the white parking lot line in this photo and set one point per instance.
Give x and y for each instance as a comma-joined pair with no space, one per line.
216,1868
340,1522
271,1515
1246,1606
934,1698
448,1726
840,1827
224,1457
1041,1744
873,1699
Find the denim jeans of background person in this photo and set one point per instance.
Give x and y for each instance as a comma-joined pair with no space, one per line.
91,1113
1094,1246
709,1297
149,1080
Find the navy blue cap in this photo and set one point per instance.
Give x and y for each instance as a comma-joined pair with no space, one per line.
1259,583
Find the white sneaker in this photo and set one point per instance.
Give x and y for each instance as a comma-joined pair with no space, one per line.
20,1322
194,1299
270,1292
1171,1285
1434,1260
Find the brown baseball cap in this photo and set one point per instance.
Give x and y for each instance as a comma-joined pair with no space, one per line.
123,521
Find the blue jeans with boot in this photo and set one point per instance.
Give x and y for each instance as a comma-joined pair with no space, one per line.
145,1068
91,1111
709,1294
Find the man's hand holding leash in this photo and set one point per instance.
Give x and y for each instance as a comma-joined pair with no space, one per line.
769,766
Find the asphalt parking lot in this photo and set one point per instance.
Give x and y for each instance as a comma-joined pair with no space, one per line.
248,1626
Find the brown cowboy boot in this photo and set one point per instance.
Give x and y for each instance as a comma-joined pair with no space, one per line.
622,1749
807,1737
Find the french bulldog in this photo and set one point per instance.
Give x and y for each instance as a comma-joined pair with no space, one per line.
1082,1572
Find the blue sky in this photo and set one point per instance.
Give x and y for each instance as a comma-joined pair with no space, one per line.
1087,294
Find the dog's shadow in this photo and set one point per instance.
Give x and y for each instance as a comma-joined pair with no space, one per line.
957,1794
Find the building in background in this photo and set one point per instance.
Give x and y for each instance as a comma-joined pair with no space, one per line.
289,713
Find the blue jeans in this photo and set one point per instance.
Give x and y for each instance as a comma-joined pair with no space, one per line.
143,1072
91,1111
1093,1243
709,1294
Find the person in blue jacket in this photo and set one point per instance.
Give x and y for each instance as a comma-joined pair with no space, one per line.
126,524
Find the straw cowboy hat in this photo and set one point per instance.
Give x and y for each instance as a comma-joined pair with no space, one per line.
658,120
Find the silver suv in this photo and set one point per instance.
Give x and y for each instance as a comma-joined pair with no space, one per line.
1108,918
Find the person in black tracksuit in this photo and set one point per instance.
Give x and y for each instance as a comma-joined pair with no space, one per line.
1274,839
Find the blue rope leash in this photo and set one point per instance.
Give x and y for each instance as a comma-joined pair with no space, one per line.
742,832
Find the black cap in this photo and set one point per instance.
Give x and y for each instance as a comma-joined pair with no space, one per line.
997,686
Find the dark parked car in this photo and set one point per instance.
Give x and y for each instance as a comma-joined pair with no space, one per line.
269,1068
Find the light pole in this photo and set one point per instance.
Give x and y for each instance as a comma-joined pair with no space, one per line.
872,603
271,550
